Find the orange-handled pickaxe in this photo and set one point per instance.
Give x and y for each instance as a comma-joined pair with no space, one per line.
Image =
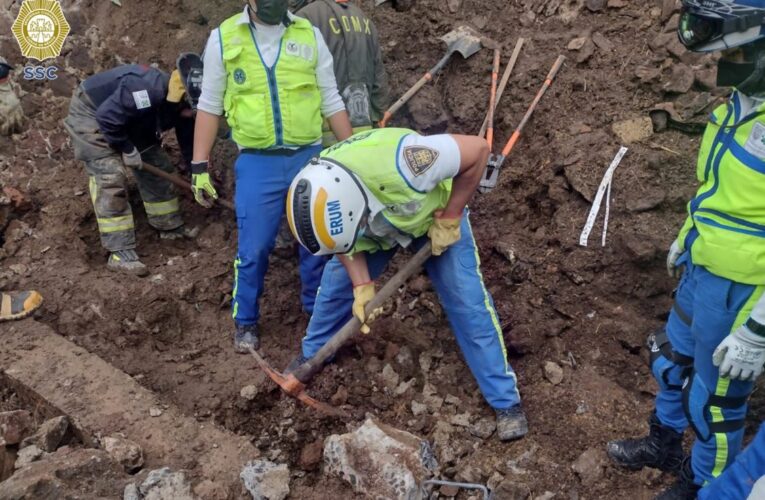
490,176
463,40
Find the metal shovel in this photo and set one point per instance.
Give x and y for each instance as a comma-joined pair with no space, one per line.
464,40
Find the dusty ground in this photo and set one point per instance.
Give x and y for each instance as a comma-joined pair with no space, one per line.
587,309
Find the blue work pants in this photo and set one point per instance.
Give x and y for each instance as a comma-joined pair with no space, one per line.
707,309
737,480
457,279
262,181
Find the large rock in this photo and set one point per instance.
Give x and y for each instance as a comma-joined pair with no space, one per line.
380,461
266,480
50,435
161,484
15,426
124,452
590,466
68,473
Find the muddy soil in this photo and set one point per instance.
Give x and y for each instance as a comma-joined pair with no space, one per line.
588,310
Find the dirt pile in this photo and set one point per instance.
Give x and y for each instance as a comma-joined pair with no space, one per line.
586,311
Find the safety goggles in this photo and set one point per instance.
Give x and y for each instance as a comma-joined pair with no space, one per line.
696,29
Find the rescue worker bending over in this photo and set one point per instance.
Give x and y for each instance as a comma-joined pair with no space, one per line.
365,197
271,74
11,114
713,346
115,121
355,46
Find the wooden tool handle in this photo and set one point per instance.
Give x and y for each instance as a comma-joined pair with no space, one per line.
492,99
503,83
414,89
307,370
548,81
182,183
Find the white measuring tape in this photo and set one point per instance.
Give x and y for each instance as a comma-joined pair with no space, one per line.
603,189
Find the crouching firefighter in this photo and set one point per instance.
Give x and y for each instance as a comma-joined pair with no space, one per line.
713,345
115,121
379,190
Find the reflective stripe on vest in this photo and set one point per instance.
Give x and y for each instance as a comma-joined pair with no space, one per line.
725,230
276,106
373,157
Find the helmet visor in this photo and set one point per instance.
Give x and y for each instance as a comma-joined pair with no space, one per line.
695,31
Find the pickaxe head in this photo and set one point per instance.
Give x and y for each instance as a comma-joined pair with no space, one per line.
464,40
295,388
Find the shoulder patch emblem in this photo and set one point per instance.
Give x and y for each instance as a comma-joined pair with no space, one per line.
141,99
755,144
419,159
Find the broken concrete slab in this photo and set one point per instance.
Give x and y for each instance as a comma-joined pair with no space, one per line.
50,435
380,461
98,398
124,452
266,480
161,484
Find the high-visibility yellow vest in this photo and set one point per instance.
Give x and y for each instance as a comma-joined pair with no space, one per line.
276,106
373,157
725,229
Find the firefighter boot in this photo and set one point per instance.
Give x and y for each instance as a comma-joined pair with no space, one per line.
127,261
662,449
684,488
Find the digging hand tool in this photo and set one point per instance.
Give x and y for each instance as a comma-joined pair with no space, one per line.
182,183
463,40
492,101
490,176
503,83
295,382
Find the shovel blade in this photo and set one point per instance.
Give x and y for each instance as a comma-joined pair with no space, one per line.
464,40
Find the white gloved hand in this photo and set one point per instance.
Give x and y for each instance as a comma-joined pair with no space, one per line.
674,253
11,114
133,159
741,355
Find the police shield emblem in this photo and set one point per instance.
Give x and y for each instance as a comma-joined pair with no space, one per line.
419,158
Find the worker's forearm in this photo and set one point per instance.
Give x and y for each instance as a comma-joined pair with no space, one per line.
205,132
340,125
356,267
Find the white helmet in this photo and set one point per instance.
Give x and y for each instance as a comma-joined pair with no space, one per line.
326,205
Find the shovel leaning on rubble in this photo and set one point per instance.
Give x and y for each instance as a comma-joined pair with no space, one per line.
295,382
490,176
463,40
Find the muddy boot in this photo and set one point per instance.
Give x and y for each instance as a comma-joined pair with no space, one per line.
662,449
684,488
299,360
511,423
246,336
180,233
126,261
17,305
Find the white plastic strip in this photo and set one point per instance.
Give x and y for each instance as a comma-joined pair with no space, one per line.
603,189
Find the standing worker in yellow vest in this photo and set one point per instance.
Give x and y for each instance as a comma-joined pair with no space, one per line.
713,347
355,46
271,74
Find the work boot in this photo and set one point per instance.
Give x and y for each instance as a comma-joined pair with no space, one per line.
126,261
17,305
662,449
684,488
299,360
179,233
246,336
511,423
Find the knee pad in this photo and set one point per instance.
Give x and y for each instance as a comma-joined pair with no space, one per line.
697,400
669,367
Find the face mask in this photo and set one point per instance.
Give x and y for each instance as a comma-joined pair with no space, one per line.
747,77
271,12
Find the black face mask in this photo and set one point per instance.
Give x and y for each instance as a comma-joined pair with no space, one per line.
5,70
747,77
271,12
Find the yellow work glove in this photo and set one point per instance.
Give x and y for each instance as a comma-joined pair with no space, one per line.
362,294
201,185
444,232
